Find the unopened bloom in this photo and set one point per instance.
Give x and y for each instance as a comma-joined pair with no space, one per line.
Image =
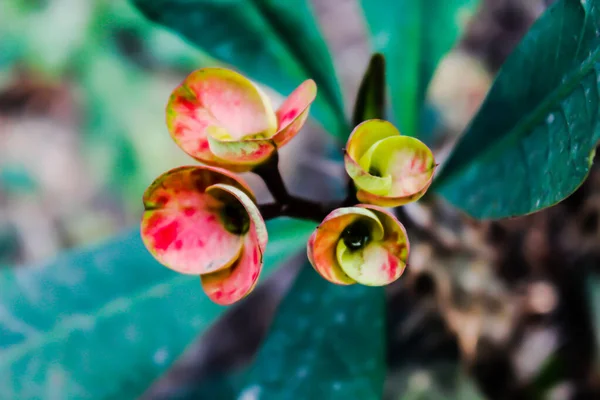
363,244
388,169
204,221
222,119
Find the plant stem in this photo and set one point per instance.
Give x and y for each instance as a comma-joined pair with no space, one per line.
285,203
269,172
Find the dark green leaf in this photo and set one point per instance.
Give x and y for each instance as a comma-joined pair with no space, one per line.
370,101
326,342
530,145
275,42
105,322
413,35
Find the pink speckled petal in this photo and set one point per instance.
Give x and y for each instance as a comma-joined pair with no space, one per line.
216,97
293,113
322,245
228,286
182,224
187,124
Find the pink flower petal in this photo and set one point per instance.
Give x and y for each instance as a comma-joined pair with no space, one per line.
256,219
232,284
293,113
182,224
216,97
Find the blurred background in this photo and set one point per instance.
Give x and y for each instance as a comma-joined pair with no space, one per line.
513,305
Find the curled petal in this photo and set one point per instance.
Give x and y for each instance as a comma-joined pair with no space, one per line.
232,284
227,286
218,98
183,225
388,169
257,222
407,160
372,266
363,180
381,262
366,134
341,256
321,245
293,113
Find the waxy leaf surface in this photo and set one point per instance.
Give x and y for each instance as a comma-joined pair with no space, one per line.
326,342
104,323
532,142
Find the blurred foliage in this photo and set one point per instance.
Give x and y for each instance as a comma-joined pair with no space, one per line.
116,70
326,341
413,46
105,322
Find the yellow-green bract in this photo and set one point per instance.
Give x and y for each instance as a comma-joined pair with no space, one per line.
388,169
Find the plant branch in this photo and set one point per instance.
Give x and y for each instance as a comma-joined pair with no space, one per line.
269,172
286,204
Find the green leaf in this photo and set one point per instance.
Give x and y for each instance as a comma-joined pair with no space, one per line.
414,35
275,42
531,143
326,342
370,101
24,33
104,323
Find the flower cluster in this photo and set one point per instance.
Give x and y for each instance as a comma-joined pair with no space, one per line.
204,219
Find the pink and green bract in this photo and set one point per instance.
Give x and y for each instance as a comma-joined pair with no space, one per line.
221,118
203,220
388,169
363,244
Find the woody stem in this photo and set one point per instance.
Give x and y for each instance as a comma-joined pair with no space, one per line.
286,204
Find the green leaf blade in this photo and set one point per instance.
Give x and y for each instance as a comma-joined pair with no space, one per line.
327,341
370,101
532,142
276,43
105,322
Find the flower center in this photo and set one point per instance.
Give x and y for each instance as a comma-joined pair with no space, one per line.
235,218
374,171
357,235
